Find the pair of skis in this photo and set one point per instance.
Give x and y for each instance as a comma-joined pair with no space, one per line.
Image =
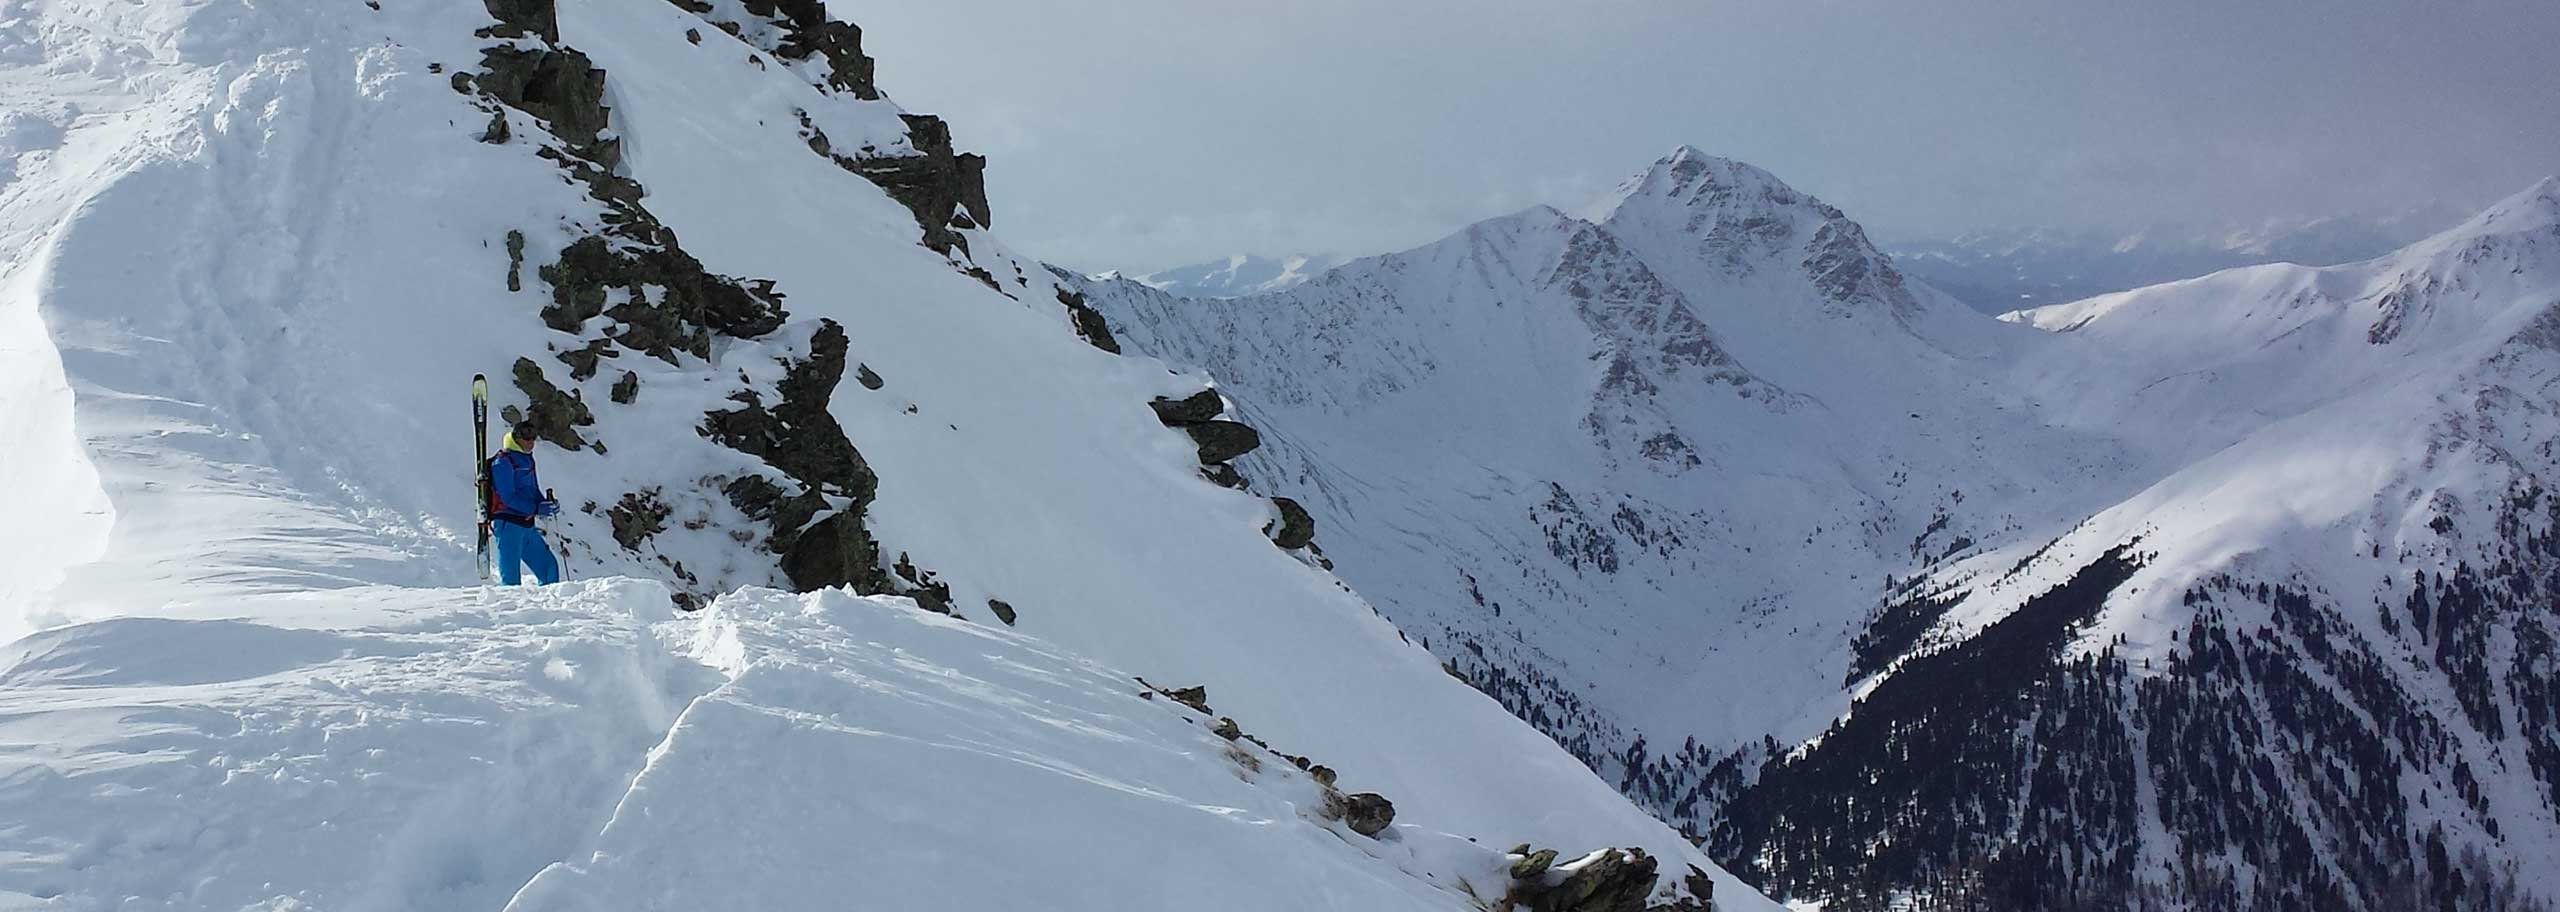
480,463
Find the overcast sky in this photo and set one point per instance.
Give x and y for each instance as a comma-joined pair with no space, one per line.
1140,134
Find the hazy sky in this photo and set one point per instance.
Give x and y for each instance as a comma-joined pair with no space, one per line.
1140,134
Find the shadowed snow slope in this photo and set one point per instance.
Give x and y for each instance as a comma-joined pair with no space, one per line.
255,251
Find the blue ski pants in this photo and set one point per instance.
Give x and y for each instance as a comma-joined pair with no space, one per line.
523,545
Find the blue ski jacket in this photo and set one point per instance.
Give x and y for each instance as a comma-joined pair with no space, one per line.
514,491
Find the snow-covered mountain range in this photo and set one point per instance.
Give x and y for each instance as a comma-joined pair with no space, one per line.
2000,270
1239,275
251,255
2230,593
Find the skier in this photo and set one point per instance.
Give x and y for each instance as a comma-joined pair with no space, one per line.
516,499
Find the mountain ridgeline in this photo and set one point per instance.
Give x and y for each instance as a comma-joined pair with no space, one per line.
758,319
2233,593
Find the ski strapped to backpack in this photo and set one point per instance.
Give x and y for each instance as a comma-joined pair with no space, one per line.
480,463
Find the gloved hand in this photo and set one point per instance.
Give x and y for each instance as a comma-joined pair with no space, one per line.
548,509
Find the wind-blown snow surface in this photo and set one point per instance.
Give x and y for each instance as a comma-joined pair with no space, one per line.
589,748
1874,590
261,247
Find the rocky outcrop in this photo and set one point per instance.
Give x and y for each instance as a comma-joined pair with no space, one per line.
555,415
1366,813
930,593
1295,528
835,551
1609,880
1204,405
1090,324
668,302
947,191
800,438
1221,441
640,515
800,30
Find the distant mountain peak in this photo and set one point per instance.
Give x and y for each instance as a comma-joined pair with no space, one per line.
1687,176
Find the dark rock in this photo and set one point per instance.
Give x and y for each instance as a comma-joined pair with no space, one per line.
809,32
1614,882
836,551
973,190
693,36
1193,409
1089,322
1367,813
1225,476
1227,728
515,255
869,380
561,86
626,389
1322,774
1532,865
671,304
933,183
930,594
1195,697
755,496
1003,610
524,19
555,415
1702,894
1296,529
798,435
936,599
1221,441
583,361
640,515
499,134
1618,880
801,439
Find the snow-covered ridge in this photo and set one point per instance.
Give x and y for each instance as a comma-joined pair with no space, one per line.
245,286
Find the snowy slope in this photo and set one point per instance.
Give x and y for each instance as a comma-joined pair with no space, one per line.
590,747
1609,463
1696,481
260,248
2341,581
